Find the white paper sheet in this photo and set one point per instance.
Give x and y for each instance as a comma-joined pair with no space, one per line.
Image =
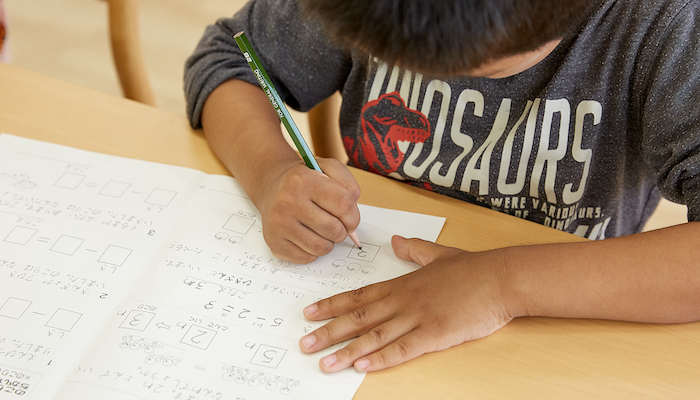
126,279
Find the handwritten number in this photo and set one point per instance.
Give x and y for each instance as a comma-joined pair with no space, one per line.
135,321
269,357
201,333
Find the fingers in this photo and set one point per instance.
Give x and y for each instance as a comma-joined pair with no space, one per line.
345,302
362,315
355,316
340,195
341,208
339,172
358,322
289,239
454,298
307,213
289,251
416,250
366,357
385,339
347,211
386,345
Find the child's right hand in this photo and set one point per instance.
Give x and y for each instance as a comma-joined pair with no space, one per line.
304,213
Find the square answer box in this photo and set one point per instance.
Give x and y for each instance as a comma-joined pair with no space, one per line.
14,307
268,356
137,320
115,255
69,180
160,197
67,245
20,235
199,337
114,189
238,224
368,252
64,319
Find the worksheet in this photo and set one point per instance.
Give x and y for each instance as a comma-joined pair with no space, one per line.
126,279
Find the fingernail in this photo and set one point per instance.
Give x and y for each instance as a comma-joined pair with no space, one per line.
308,341
328,361
362,365
311,309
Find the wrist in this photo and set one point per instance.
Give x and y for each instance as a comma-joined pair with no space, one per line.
514,298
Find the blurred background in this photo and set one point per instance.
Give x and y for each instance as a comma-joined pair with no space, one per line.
69,40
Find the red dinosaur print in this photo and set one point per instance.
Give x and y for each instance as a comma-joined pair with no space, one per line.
385,122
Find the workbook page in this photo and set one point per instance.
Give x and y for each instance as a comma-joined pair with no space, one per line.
77,231
221,317
125,279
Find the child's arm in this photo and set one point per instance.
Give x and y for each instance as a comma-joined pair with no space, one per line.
303,212
459,296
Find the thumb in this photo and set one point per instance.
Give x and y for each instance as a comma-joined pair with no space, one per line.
416,250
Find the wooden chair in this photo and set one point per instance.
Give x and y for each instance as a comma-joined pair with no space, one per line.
324,131
126,50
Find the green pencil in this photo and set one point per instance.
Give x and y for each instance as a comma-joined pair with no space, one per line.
282,112
275,100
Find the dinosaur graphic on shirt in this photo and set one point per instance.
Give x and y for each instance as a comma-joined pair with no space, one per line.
388,128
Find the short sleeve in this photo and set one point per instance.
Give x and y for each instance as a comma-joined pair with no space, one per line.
671,109
303,64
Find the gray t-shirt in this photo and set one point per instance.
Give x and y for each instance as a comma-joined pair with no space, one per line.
583,142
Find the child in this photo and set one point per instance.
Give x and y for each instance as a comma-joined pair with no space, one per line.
576,115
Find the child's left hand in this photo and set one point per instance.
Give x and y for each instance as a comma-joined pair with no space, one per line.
457,296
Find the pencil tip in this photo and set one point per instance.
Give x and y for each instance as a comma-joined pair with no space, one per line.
355,240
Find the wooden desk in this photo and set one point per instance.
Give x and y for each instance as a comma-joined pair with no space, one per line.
531,358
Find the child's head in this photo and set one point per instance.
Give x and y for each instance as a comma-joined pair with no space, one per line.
448,37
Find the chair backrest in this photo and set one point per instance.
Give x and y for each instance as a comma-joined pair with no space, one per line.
126,50
324,131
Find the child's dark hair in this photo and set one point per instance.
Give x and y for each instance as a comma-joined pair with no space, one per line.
447,37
